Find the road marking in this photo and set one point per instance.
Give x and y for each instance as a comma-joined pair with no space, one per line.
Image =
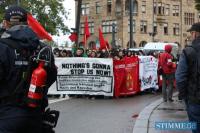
58,100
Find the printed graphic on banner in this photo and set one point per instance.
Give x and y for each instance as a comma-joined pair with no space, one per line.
126,75
148,72
85,83
93,76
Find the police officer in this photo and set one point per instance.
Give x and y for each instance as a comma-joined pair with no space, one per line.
15,115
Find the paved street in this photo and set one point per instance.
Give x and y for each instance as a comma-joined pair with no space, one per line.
81,115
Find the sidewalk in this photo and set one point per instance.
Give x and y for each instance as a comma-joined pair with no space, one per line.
160,111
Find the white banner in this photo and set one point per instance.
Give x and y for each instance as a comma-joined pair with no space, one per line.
148,66
93,76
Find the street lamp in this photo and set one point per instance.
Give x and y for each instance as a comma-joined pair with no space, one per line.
153,23
78,19
131,22
113,35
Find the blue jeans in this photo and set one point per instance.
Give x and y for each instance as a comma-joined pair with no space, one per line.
193,111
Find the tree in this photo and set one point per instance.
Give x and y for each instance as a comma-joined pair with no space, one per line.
50,13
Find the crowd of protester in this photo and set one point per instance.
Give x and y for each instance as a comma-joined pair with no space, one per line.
116,54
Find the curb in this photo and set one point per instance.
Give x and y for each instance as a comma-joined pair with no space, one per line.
142,122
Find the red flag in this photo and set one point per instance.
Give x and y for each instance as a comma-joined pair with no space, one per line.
107,44
73,37
37,28
101,40
86,31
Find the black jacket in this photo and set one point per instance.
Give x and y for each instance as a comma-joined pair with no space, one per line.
190,89
24,38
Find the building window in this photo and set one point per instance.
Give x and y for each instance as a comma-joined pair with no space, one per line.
135,7
161,9
98,8
109,7
189,18
133,26
143,26
175,10
167,9
91,27
176,29
143,7
118,9
107,26
165,29
155,8
155,28
85,10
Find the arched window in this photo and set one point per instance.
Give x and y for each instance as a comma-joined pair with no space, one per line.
142,43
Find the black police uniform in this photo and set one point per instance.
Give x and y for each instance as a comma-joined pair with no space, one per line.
15,116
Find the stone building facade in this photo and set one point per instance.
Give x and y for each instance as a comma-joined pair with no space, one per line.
168,19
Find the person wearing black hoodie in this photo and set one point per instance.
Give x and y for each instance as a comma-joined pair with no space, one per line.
16,45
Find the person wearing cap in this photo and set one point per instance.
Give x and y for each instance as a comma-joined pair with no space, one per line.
15,115
166,65
188,76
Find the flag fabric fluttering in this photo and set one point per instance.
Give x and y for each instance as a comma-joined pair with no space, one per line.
102,40
73,37
37,28
86,31
107,44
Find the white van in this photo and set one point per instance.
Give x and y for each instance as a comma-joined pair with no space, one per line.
160,46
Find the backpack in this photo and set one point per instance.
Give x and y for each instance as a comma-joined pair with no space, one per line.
26,59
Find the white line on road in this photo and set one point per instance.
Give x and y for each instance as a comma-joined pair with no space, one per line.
58,100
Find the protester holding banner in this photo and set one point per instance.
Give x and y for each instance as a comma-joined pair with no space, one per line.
104,54
121,54
129,54
63,53
93,54
166,66
79,52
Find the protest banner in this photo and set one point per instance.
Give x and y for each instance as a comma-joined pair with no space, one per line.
126,74
92,76
148,72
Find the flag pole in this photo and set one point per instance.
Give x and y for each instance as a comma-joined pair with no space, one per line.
78,15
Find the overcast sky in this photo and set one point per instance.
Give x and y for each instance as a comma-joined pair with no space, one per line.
69,6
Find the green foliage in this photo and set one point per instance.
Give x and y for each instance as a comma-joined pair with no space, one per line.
50,13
